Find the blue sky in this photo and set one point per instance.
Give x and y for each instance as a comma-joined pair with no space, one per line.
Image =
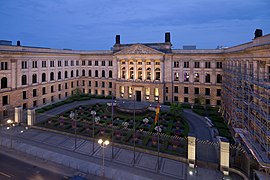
93,24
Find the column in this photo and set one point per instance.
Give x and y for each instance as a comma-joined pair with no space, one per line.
191,150
135,69
143,69
127,69
18,114
118,70
31,117
152,70
224,156
161,71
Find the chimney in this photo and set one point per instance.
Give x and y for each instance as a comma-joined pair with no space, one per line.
18,43
117,39
258,33
167,37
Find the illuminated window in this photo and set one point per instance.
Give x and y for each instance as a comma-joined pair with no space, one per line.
196,77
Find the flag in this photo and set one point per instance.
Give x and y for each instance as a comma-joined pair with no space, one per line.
157,112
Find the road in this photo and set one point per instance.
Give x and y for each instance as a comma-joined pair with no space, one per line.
11,168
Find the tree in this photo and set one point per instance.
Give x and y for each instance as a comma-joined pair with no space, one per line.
176,109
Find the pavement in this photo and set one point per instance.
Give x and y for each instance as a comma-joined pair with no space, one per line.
59,149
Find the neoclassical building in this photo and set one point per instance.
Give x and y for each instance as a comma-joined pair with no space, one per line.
235,78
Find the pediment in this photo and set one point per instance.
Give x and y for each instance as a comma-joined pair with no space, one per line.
139,49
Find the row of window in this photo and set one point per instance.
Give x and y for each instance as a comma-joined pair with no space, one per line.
140,73
196,91
59,76
197,64
196,100
197,77
66,63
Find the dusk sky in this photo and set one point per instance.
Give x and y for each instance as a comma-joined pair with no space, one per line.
93,24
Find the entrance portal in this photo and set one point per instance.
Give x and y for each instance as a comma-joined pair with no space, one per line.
138,96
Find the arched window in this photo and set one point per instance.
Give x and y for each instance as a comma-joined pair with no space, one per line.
77,73
123,72
207,78
96,73
157,73
110,74
196,77
24,79
90,73
140,73
59,75
3,83
103,73
148,73
219,78
131,73
66,74
43,77
51,76
34,78
71,73
83,72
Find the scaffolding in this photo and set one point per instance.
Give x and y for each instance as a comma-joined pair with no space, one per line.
246,100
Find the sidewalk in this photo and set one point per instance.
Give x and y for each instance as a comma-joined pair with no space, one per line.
59,149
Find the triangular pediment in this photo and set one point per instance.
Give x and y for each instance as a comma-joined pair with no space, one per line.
139,49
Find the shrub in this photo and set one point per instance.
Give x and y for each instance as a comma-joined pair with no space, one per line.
186,106
167,103
199,111
40,110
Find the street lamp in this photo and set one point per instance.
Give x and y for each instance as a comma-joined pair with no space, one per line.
192,170
10,125
73,116
103,145
93,125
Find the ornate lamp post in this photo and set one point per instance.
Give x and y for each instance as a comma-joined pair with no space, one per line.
73,116
93,125
103,145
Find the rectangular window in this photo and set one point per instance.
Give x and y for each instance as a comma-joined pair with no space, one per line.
176,98
4,65
167,90
219,65
218,92
186,99
102,63
34,92
207,64
34,64
66,94
110,84
59,63
96,83
72,84
96,63
77,63
218,102
89,63
24,95
196,90
51,63
35,103
110,63
83,83
52,99
83,63
24,64
43,64
89,83
185,90
59,96
52,89
207,101
96,92
59,87
66,85
103,92
207,91
77,83
186,64
5,100
197,64
43,90
176,64
175,89
44,100
71,63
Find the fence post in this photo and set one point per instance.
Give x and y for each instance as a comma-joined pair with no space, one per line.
18,114
31,117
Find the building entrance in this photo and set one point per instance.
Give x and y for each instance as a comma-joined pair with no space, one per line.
138,96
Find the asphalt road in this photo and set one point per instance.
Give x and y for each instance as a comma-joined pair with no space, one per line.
13,169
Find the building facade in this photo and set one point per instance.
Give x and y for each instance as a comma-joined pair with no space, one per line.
236,78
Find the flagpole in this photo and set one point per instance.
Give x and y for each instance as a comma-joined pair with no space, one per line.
112,128
134,132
